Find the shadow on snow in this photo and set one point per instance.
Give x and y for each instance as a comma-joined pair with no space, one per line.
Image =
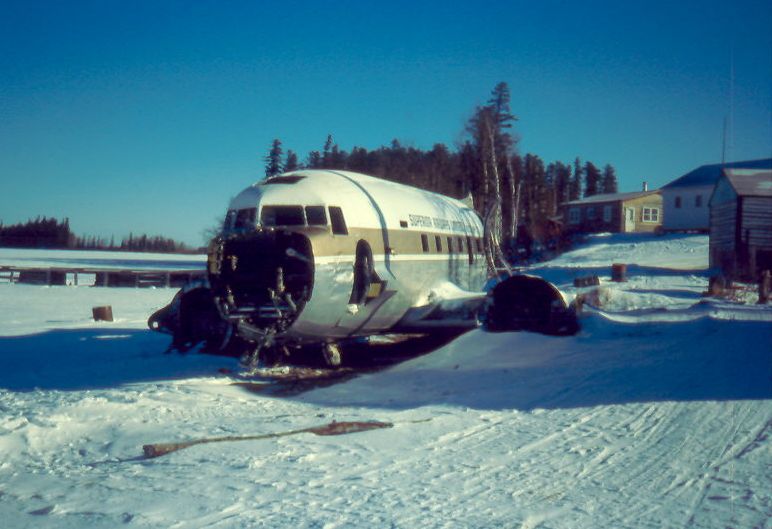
82,359
607,363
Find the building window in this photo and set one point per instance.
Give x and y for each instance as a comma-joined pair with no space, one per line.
337,221
424,242
574,216
606,213
438,243
698,201
591,213
650,214
678,202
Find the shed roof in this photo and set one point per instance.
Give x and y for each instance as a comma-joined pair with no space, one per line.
610,197
708,174
750,182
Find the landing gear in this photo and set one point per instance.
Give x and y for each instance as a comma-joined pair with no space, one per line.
331,354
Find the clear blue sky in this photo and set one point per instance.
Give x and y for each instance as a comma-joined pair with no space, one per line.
148,116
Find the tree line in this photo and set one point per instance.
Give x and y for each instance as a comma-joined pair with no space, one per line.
51,233
524,191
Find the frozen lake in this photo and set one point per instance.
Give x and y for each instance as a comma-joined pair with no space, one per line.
22,257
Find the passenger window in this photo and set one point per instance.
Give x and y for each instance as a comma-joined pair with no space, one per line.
245,218
425,242
337,221
316,216
282,216
460,244
450,245
470,249
438,243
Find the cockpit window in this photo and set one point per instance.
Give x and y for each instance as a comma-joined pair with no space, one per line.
316,216
282,216
230,219
245,218
283,180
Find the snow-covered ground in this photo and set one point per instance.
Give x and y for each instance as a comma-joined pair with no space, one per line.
657,414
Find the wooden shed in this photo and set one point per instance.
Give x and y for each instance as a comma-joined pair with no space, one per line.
741,223
685,199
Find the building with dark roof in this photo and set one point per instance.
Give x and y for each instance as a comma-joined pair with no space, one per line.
685,199
741,223
616,212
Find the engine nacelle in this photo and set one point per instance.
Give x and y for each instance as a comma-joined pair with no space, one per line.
529,303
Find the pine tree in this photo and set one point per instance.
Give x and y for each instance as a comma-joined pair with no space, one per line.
503,117
291,164
358,161
327,152
591,179
273,160
314,160
609,182
469,164
337,158
535,192
575,186
562,183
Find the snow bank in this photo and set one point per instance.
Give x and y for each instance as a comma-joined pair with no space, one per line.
679,251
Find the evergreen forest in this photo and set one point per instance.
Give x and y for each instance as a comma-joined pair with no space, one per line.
51,233
527,190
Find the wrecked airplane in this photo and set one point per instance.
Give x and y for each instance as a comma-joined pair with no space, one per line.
314,258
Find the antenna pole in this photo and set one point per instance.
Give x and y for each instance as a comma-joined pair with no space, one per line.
723,144
729,131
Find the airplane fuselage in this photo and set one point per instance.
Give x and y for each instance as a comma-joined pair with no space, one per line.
323,255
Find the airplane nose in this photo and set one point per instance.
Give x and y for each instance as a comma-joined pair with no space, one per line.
272,279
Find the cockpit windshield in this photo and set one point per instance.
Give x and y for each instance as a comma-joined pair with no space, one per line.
244,218
270,216
282,216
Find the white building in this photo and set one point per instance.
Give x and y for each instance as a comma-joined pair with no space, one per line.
685,200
